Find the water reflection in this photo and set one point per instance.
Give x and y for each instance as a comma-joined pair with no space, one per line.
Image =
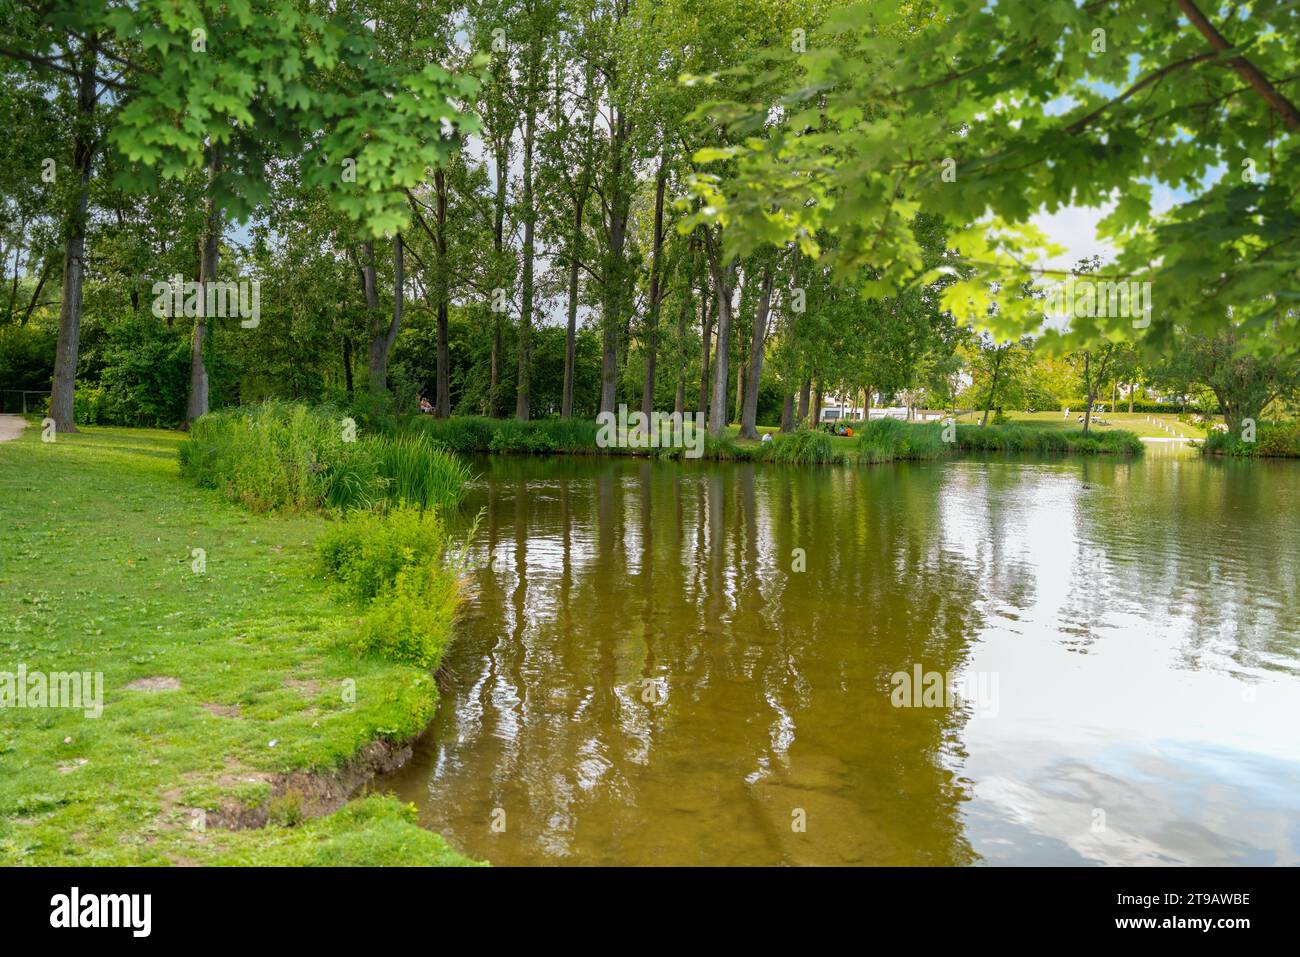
643,678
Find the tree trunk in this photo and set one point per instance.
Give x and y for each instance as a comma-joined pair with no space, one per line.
817,406
502,156
571,331
613,298
198,401
442,376
652,314
805,393
382,343
46,264
706,340
64,384
683,318
1091,389
749,414
722,281
740,390
993,386
525,346
787,413
347,363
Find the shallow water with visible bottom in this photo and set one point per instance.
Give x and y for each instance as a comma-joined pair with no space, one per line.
706,663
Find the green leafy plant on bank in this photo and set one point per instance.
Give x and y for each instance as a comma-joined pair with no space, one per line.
1272,440
400,567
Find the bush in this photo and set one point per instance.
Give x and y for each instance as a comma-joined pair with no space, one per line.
1272,440
472,433
411,620
521,437
399,567
366,552
884,440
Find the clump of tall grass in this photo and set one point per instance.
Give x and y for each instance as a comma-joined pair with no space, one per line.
281,455
418,472
885,440
472,433
804,447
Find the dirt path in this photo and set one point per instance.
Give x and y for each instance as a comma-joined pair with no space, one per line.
10,426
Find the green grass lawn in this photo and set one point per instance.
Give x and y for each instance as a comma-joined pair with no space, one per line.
1138,422
216,681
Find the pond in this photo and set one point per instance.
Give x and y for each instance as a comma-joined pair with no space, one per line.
705,663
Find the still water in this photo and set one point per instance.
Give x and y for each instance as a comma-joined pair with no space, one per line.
692,663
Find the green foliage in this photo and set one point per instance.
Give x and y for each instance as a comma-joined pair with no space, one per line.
899,108
26,361
1272,440
525,437
418,472
469,433
366,552
398,566
805,447
885,440
278,455
144,373
411,620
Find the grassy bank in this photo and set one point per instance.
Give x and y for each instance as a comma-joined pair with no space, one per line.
229,669
1278,440
882,441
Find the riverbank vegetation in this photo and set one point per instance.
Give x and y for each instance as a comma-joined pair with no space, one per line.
238,688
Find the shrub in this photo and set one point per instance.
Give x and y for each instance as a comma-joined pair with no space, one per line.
888,439
411,620
399,567
366,552
521,437
281,455
884,440
1272,440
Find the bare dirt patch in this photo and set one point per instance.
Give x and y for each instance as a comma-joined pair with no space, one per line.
11,426
154,683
